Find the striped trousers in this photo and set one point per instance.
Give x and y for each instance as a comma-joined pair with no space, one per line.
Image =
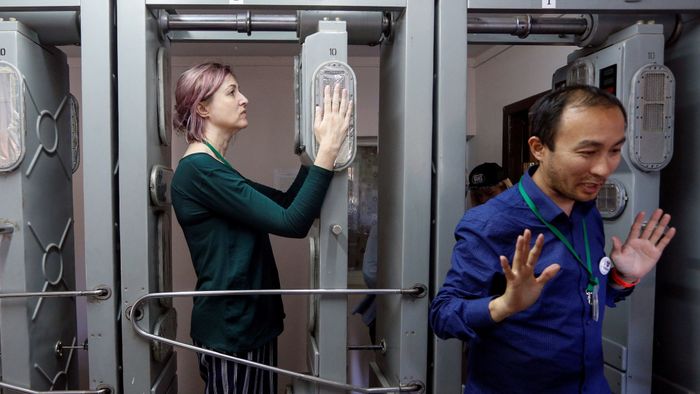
227,377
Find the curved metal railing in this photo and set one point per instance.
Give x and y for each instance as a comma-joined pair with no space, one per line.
415,291
100,293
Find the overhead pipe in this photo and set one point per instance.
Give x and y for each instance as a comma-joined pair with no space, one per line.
524,25
242,22
590,30
363,27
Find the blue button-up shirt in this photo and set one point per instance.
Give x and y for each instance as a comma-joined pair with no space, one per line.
553,346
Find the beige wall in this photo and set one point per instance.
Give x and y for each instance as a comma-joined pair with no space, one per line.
501,76
260,152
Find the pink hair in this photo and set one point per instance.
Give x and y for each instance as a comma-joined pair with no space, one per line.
196,85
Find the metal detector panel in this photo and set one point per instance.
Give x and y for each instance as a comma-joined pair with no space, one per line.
37,201
651,117
323,62
628,56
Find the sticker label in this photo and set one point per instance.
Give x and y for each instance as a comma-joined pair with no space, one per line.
605,265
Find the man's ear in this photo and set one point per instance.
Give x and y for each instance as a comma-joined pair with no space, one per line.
537,148
202,110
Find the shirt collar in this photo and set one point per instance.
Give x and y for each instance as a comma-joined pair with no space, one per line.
548,209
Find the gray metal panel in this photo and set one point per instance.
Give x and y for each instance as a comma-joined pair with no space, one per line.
405,152
616,380
615,354
515,6
631,323
37,198
98,50
54,28
139,151
677,350
281,4
449,159
41,5
329,337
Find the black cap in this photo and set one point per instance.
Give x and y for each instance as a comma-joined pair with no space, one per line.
486,174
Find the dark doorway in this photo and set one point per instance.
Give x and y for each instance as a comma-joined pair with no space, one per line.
516,152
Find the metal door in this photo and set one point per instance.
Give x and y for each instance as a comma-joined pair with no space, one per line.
36,213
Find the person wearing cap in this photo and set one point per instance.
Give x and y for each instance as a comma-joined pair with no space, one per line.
486,181
535,326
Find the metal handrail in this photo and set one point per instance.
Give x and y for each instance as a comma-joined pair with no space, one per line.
416,291
29,391
97,293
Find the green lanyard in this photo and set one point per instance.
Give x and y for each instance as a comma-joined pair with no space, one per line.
592,279
217,154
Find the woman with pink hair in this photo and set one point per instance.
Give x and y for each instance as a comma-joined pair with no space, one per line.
227,220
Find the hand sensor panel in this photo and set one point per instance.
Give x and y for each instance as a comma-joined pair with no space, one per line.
12,117
323,62
334,73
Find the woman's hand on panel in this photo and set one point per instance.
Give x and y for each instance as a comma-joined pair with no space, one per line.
331,125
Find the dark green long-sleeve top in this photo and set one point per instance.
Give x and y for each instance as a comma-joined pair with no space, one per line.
227,220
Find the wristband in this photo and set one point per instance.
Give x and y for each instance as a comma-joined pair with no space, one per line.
617,279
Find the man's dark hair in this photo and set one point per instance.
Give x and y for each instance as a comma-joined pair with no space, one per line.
545,114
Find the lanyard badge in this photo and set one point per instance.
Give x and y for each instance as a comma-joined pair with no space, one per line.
592,287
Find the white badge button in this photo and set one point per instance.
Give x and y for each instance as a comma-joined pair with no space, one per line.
605,265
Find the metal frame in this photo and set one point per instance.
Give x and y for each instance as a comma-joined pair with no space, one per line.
40,5
410,78
97,51
405,202
449,160
98,66
138,40
405,164
393,5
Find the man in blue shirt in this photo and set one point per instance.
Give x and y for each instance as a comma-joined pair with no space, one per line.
535,326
